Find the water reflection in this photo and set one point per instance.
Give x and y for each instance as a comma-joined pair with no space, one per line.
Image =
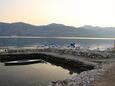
23,62
71,70
33,75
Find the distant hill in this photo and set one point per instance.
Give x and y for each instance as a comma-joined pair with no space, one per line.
23,29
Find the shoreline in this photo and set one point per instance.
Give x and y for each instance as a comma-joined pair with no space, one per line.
101,61
43,37
86,78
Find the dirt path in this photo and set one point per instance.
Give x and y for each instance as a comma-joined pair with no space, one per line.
108,79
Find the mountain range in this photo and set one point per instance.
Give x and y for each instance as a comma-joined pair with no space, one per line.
53,29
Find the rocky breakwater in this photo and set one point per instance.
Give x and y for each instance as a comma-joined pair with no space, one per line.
92,54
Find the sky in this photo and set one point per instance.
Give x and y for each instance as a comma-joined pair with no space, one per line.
68,12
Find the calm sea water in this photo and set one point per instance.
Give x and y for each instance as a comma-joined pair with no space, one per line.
32,74
83,42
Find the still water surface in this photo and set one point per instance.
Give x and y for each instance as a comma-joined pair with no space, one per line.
83,42
32,74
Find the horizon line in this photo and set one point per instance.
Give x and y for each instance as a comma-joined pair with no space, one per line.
58,23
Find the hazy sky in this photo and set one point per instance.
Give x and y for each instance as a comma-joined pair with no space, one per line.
69,12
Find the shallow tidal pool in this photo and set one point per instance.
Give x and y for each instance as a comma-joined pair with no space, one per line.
32,74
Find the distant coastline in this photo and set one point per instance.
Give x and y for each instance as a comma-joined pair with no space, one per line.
100,38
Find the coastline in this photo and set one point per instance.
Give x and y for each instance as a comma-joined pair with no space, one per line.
102,63
45,37
86,78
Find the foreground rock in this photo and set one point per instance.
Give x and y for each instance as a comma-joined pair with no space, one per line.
108,79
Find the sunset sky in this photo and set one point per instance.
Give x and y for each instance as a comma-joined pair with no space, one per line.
68,12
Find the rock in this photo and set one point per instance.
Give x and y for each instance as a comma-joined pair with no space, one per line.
85,78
